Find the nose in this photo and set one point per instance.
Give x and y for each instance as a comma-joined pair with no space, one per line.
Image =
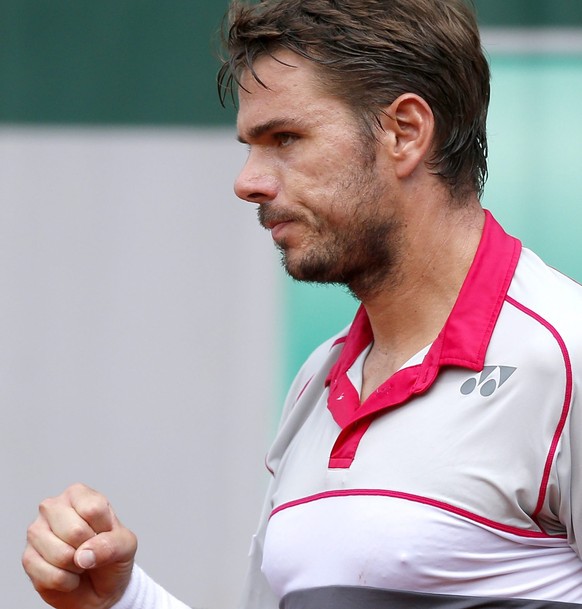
255,183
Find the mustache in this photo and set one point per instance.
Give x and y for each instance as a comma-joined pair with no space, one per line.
268,215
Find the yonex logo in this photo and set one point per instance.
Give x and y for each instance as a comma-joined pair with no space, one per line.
487,381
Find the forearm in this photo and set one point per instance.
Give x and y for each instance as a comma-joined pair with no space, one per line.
144,593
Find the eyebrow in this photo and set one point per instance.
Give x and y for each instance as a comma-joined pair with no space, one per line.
274,124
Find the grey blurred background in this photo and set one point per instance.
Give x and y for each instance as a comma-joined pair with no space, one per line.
147,334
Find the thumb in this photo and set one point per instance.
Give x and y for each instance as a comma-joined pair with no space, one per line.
85,558
107,561
105,549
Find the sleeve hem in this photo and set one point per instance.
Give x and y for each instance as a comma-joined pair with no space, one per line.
143,592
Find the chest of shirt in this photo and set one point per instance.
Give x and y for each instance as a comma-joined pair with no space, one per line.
479,441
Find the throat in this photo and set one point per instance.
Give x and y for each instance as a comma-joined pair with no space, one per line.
380,366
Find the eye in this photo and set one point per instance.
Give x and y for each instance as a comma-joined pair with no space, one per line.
286,139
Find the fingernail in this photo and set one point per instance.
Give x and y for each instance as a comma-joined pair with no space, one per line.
86,559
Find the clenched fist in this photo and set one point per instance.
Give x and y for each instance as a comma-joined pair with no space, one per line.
78,555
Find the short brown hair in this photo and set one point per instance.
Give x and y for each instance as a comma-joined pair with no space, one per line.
371,51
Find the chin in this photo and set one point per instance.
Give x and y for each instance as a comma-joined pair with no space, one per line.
308,266
313,274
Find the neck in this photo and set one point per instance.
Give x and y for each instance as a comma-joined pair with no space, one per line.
408,310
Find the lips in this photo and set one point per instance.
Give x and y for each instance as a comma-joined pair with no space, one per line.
271,224
273,219
278,228
270,220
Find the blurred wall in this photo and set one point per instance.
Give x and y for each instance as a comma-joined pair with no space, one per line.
138,318
147,333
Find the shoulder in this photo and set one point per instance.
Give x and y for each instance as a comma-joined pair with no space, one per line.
547,293
318,364
306,392
551,300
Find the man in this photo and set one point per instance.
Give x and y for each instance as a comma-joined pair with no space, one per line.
428,456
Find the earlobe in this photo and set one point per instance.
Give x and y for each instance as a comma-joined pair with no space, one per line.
408,124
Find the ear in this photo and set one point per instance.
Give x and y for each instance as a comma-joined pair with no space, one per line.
408,125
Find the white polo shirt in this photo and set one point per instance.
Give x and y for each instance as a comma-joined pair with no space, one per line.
458,483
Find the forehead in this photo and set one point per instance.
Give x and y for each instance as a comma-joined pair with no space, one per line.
279,72
291,86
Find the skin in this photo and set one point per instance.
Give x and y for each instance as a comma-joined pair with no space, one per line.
321,193
78,554
328,218
340,209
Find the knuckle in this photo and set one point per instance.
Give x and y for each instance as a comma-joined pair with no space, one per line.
120,545
78,488
60,581
133,539
107,549
63,556
46,505
131,542
32,533
35,534
77,533
27,560
93,508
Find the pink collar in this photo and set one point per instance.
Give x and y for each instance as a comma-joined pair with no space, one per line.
463,341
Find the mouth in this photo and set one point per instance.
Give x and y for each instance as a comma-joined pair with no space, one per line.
278,228
271,224
269,221
275,221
